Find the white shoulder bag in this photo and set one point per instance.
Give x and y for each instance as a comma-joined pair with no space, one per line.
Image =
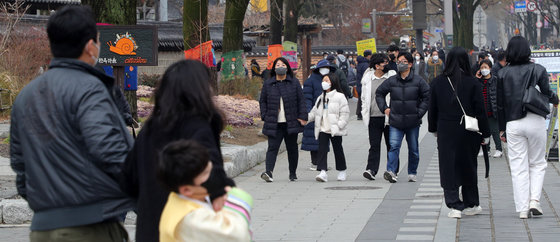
471,123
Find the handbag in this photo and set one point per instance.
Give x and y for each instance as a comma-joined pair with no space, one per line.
533,100
471,123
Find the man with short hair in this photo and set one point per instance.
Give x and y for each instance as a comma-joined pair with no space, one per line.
68,139
409,103
342,62
393,52
501,62
481,56
363,64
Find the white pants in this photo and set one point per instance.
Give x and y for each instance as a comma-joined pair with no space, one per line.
526,141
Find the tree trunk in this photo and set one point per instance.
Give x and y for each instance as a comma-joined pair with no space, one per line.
195,23
233,25
292,13
276,21
464,30
118,12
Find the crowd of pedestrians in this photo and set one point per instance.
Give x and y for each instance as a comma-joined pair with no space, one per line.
81,171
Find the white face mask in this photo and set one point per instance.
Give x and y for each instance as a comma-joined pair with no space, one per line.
326,85
96,58
485,72
417,57
435,57
324,71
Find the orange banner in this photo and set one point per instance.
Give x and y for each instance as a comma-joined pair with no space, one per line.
203,52
274,51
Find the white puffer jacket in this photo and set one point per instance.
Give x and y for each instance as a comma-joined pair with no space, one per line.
338,113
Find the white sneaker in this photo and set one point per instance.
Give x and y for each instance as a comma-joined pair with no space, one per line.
524,215
341,176
313,167
535,207
497,154
473,211
454,213
322,177
411,178
390,176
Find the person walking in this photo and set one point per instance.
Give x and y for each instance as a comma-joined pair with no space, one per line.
525,130
489,83
363,65
435,66
312,89
183,109
452,92
284,114
375,119
68,139
330,114
341,76
410,96
393,52
420,66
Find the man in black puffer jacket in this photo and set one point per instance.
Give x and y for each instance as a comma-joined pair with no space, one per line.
68,139
409,102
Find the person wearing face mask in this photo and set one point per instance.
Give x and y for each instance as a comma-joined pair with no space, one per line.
363,65
409,100
490,92
330,115
312,89
435,66
393,52
374,118
284,114
420,66
68,140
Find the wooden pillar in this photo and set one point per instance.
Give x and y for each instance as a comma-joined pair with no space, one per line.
118,73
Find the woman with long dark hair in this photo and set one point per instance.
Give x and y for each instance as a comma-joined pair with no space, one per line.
183,109
284,114
524,129
452,92
330,114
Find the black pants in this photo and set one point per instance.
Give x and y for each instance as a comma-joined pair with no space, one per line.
274,143
376,129
470,197
313,157
336,141
359,107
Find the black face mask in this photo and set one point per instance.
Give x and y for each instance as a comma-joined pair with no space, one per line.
386,69
392,57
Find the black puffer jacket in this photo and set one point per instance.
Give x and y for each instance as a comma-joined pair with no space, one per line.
294,105
67,144
409,100
512,82
492,95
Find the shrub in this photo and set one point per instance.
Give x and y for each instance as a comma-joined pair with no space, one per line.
150,80
245,87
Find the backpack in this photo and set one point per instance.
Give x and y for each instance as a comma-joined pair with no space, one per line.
343,65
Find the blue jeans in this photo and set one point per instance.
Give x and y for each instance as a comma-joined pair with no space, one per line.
395,139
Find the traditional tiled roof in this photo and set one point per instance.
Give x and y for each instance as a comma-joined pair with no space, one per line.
316,50
52,1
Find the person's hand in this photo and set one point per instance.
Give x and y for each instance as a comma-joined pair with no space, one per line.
502,137
302,122
485,141
219,202
387,111
478,75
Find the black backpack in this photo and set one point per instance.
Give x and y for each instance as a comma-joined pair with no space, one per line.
343,65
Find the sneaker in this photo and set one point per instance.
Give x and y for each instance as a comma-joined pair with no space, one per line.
267,176
411,178
322,177
454,213
524,215
369,175
293,177
497,154
535,207
341,176
313,167
473,211
390,176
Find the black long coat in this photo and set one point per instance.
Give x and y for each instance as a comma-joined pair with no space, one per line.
457,147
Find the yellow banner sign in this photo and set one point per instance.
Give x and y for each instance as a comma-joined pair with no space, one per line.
368,44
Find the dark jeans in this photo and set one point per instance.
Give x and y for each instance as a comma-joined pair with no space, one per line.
395,138
100,232
376,129
495,131
313,157
274,143
359,107
336,141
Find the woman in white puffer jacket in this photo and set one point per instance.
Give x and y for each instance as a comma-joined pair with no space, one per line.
330,114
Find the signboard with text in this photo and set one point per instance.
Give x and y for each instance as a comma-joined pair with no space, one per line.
128,45
368,44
